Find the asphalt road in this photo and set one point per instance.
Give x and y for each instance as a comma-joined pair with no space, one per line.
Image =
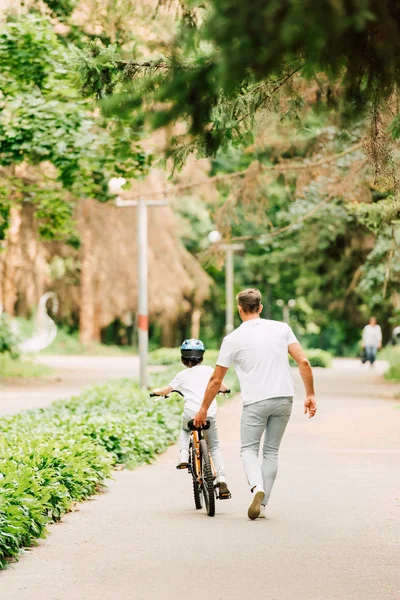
71,375
333,531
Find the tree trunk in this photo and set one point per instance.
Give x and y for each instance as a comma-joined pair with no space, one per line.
168,338
87,328
195,323
11,262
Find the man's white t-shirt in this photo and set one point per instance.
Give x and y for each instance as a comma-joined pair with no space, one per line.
372,335
258,350
192,383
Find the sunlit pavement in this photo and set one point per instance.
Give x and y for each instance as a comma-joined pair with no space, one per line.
333,531
72,374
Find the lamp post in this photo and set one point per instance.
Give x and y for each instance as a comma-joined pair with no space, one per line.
215,237
286,306
115,186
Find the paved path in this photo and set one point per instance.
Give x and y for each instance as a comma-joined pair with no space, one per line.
333,531
71,375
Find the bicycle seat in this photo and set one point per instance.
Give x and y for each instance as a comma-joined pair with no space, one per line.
203,427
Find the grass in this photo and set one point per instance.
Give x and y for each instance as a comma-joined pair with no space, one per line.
68,342
392,355
51,458
21,368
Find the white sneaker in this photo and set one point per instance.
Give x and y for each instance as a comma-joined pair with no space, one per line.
263,514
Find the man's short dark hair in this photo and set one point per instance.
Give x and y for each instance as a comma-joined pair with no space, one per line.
249,300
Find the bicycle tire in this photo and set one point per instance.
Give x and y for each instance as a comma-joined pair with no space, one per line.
208,479
198,499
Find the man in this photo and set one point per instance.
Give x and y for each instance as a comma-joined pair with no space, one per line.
371,340
258,349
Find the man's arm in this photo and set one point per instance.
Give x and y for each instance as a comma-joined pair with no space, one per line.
214,386
298,354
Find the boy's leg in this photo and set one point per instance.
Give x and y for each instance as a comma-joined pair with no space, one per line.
279,414
184,439
211,436
252,426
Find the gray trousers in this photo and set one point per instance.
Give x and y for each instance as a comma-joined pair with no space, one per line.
270,416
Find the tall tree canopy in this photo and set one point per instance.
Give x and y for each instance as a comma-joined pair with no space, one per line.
45,124
230,58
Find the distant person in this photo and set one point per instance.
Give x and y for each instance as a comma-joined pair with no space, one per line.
258,350
371,341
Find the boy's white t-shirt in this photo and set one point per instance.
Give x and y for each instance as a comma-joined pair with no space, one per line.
192,383
258,350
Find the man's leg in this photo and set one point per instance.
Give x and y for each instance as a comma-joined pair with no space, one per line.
211,436
251,429
371,354
374,352
279,415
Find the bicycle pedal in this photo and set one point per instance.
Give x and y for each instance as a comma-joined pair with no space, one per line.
225,497
182,466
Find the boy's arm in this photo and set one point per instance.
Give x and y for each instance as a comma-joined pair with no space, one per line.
163,391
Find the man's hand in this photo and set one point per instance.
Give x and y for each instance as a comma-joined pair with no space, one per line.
201,418
310,405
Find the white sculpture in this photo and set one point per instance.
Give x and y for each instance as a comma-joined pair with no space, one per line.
45,328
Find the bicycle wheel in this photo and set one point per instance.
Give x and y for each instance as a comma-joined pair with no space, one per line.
208,479
198,499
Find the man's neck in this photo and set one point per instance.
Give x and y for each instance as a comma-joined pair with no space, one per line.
250,317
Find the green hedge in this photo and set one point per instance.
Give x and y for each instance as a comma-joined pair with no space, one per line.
319,358
53,457
392,355
8,339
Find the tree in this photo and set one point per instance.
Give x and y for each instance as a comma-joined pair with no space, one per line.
44,124
230,59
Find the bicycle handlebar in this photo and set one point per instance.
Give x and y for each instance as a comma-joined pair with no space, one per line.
180,393
203,427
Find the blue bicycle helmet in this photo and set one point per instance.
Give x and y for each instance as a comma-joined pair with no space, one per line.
192,349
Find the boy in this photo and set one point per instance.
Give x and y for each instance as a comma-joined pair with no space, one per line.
192,383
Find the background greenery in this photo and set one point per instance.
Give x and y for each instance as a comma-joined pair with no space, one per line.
326,236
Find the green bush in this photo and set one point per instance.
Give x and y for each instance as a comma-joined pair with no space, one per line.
8,339
52,457
392,355
319,358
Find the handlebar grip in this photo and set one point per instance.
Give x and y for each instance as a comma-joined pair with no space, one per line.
203,427
226,392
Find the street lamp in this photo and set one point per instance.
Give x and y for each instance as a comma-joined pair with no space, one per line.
115,186
286,308
214,237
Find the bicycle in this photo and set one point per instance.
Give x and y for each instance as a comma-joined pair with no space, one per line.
201,467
